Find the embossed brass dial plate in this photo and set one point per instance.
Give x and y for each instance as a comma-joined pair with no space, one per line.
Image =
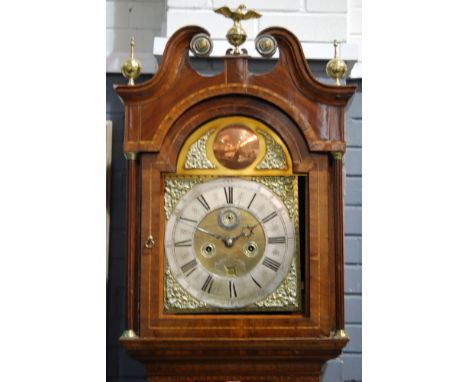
256,244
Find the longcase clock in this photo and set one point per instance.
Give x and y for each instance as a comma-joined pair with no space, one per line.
234,218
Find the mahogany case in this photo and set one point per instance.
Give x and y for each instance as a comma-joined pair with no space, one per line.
309,116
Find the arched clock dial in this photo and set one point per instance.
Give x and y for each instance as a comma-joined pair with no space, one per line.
229,242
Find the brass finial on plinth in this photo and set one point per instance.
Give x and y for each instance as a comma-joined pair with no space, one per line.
336,67
236,35
131,67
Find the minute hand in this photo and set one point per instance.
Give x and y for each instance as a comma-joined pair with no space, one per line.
210,233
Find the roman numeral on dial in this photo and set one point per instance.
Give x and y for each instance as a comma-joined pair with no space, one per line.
232,289
189,267
277,240
272,264
183,243
251,201
208,284
256,282
229,194
269,217
203,202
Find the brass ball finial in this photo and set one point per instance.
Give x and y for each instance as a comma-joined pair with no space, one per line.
336,67
131,67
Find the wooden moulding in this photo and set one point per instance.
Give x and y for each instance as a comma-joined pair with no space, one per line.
309,117
225,359
155,105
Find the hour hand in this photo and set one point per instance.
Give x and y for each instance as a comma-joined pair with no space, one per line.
251,229
247,231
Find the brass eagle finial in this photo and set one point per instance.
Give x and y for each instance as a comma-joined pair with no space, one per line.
236,35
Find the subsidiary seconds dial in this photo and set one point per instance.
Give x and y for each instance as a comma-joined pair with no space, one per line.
229,242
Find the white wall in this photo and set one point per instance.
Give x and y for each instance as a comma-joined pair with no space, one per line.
354,32
143,19
310,20
314,21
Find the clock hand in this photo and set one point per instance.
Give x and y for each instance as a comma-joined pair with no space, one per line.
186,221
251,228
211,233
243,233
228,241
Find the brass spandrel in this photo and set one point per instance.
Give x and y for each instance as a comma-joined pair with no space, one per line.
175,188
196,155
286,295
274,158
176,297
283,186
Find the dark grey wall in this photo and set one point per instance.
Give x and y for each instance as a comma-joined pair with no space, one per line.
120,367
346,368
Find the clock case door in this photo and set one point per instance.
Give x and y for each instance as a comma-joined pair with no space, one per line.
309,117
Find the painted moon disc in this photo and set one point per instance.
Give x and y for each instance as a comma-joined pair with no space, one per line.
236,147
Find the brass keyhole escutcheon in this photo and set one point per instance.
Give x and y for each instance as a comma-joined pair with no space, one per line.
149,243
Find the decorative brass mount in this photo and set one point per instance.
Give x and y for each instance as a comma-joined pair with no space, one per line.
149,243
266,45
129,155
131,67
336,67
340,334
201,45
236,35
128,334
